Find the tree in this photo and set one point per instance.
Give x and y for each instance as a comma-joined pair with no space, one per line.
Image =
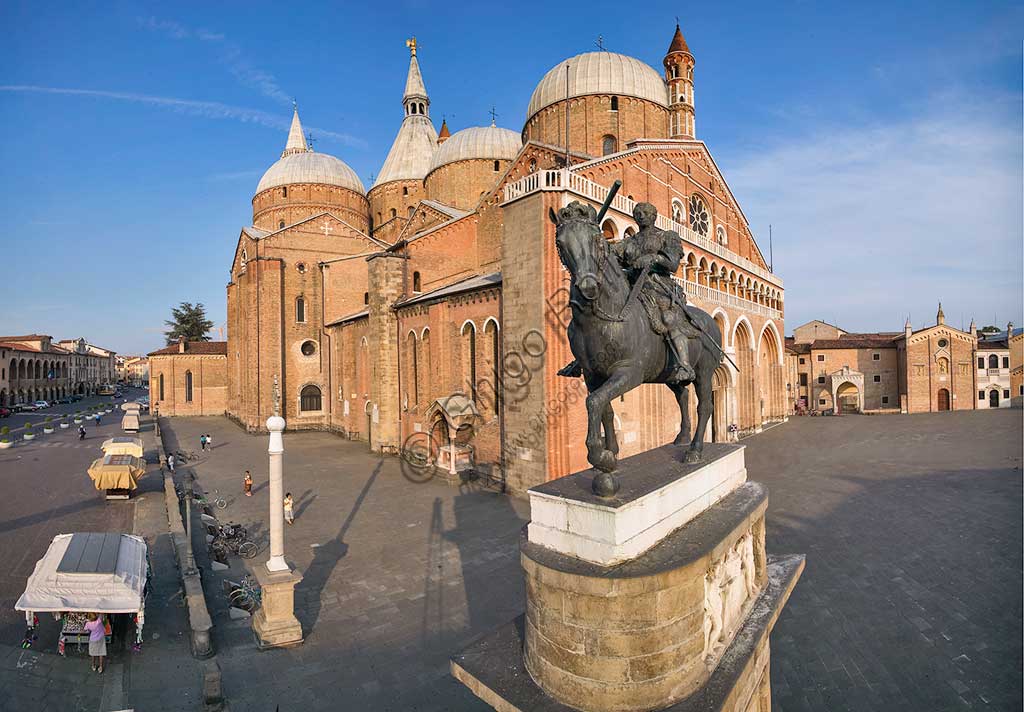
189,322
989,330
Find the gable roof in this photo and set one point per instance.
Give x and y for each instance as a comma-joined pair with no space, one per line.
351,317
194,348
259,234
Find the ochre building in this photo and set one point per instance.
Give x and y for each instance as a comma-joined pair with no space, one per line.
364,311
189,378
935,368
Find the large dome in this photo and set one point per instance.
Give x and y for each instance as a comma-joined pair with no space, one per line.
478,142
599,73
310,167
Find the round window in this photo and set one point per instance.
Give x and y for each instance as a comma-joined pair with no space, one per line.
301,267
943,343
308,348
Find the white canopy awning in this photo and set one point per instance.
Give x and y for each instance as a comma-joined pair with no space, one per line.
89,572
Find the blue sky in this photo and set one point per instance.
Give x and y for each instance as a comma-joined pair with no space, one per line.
882,141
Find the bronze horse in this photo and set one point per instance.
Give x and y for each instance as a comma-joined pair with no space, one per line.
616,347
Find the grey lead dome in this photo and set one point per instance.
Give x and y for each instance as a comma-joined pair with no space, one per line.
599,73
310,167
478,142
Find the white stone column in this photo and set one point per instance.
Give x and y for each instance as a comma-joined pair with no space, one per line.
276,562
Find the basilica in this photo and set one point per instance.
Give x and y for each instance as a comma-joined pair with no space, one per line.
433,304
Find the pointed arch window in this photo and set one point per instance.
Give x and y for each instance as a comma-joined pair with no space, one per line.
417,285
161,386
188,386
280,225
497,166
300,310
607,145
366,297
615,103
284,192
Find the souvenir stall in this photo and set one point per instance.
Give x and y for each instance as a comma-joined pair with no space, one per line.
123,446
102,573
118,475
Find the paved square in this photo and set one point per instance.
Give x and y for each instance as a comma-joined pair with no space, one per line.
910,599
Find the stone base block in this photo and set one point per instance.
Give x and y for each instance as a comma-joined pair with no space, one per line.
659,494
647,632
493,666
275,624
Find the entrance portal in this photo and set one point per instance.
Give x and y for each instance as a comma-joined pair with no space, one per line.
993,398
847,399
943,399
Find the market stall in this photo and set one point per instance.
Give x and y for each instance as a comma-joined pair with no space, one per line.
130,421
123,446
117,474
84,573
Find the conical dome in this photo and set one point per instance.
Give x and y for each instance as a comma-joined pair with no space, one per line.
414,146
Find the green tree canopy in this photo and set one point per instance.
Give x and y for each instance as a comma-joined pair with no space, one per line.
989,329
189,321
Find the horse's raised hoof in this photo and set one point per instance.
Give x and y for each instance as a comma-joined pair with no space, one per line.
605,484
692,456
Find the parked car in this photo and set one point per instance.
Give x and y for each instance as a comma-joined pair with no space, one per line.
4,412
75,398
40,405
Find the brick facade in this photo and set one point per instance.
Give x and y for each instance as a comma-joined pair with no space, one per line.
189,378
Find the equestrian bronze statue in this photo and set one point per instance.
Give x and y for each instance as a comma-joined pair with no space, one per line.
631,325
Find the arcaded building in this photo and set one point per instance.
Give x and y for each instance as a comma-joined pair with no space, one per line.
368,311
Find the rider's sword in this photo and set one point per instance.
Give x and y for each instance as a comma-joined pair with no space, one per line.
608,201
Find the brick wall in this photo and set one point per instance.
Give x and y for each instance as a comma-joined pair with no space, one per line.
462,184
591,119
209,384
271,206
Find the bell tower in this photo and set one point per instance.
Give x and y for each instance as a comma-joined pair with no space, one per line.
679,77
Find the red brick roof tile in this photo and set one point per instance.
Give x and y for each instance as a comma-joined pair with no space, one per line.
194,348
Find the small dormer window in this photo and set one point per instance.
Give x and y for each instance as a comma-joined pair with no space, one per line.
615,103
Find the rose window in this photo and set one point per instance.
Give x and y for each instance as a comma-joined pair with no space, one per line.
699,218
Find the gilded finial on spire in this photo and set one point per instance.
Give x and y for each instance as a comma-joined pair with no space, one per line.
411,44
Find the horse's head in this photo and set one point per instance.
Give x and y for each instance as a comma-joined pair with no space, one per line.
580,245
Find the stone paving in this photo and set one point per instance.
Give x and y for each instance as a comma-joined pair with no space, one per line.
47,492
910,599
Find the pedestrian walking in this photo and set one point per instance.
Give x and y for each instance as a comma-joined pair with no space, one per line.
81,432
170,463
97,419
247,484
288,516
97,641
209,441
202,442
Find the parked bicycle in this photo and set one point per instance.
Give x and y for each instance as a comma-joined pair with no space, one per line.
244,594
202,499
232,539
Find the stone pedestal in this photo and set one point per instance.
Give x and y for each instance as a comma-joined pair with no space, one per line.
275,624
662,597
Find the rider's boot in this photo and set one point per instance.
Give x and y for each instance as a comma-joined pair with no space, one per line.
683,370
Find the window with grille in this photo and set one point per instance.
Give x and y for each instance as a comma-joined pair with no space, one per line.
309,399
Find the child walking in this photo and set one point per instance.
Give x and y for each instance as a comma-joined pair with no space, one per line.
288,516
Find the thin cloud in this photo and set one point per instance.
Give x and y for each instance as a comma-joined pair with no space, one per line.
204,109
884,220
231,55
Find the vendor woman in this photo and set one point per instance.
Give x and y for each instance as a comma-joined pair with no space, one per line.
97,641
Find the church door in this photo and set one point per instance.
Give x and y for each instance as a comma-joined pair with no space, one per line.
993,398
943,399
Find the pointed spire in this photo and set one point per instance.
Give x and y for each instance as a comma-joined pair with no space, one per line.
444,134
678,43
414,87
296,139
940,318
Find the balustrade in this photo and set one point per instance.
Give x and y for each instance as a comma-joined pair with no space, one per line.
561,179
